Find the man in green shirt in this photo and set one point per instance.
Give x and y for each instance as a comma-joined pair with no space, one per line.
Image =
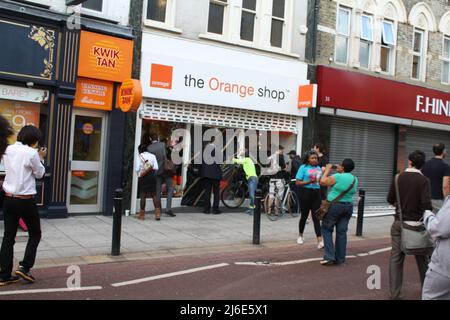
252,179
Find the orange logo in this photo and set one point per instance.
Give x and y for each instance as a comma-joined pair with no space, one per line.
307,96
161,76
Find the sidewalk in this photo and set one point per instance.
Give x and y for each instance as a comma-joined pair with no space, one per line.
87,239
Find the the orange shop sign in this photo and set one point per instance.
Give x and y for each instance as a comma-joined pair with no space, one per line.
105,57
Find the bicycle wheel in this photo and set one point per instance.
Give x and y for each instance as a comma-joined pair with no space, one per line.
292,204
233,196
269,208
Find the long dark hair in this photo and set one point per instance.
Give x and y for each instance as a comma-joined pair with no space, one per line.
5,132
307,155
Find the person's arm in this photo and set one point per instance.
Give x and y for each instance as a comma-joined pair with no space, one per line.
327,181
300,177
238,161
391,194
446,183
425,195
37,167
438,225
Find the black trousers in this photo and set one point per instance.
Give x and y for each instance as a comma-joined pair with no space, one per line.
215,186
310,200
13,210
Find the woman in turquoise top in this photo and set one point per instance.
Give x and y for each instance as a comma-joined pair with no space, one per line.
339,213
308,177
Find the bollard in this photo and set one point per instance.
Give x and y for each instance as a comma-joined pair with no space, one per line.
360,217
117,222
257,218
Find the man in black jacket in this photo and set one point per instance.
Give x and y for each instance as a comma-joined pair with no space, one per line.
212,174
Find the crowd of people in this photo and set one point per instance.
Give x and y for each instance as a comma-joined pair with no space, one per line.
420,194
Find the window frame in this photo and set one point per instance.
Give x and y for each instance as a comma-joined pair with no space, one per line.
226,9
420,54
445,59
283,20
256,24
368,41
341,35
169,21
92,12
390,46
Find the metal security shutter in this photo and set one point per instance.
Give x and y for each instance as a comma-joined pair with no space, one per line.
423,139
371,146
184,112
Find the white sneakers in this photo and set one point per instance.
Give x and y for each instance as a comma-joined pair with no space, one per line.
301,240
320,245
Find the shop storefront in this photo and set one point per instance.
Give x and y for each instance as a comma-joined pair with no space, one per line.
37,83
188,85
96,132
378,122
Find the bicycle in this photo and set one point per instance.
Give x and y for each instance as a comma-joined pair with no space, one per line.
288,203
235,192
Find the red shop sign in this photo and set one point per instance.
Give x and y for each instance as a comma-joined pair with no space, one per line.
359,92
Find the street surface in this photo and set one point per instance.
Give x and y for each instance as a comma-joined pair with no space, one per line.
291,272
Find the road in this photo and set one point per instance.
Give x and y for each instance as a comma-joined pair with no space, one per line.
285,273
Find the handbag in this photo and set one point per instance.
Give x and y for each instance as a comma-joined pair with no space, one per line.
147,165
169,168
415,240
325,205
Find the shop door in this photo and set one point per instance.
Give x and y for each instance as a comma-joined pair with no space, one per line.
86,155
371,146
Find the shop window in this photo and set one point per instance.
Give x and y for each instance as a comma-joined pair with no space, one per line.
95,5
365,46
216,19
278,22
387,46
418,49
342,35
446,61
248,19
20,114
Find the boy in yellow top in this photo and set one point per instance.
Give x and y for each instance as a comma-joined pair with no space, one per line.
252,178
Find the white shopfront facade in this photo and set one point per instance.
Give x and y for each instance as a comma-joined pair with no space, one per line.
186,83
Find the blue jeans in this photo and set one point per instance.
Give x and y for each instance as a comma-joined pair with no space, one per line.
252,185
339,215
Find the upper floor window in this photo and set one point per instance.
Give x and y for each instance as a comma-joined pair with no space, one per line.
216,16
387,46
248,19
342,35
278,22
366,41
261,24
95,5
156,10
446,61
418,50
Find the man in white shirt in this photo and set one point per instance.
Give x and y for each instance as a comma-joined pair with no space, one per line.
23,165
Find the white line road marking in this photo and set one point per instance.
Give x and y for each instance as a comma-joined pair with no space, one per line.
168,275
268,264
7,293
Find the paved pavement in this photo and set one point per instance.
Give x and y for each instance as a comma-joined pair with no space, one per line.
87,239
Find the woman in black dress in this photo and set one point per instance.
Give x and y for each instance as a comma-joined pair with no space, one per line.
147,166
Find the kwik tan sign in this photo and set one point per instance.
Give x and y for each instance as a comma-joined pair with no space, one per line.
105,57
355,91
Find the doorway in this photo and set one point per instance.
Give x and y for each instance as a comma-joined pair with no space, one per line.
85,188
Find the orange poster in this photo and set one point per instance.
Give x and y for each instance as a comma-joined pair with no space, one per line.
94,94
105,57
19,114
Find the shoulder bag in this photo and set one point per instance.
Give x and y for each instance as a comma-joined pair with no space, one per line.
146,164
325,205
169,168
414,240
